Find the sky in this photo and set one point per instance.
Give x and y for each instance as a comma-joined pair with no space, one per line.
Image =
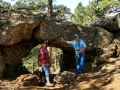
69,3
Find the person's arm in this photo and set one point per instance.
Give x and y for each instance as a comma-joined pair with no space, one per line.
40,57
68,42
84,47
47,59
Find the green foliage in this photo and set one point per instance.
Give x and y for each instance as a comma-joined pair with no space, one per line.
31,61
4,3
61,12
31,4
55,57
95,9
104,5
78,17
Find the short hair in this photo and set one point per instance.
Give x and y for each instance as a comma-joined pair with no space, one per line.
43,41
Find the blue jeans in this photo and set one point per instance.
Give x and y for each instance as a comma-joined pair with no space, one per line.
45,71
80,63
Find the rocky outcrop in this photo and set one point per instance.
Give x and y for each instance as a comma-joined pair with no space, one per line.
109,23
23,29
64,77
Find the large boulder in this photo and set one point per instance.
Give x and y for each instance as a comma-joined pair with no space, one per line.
23,29
110,53
110,23
27,80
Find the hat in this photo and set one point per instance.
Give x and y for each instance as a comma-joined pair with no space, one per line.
75,35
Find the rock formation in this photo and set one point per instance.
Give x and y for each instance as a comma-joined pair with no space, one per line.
27,80
23,29
64,77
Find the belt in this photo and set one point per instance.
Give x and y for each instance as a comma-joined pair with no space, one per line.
77,50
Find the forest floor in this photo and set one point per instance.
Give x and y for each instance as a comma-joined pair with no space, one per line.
86,81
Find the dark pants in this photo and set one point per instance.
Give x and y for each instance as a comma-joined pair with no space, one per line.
80,63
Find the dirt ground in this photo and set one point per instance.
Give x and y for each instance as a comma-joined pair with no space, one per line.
90,80
86,81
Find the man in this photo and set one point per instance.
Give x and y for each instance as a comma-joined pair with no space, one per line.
43,60
80,47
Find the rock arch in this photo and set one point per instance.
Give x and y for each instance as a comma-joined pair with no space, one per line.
21,30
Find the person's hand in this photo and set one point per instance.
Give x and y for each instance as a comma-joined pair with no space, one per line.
79,52
62,39
47,64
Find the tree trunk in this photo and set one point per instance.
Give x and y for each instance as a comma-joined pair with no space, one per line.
32,66
50,15
50,54
50,8
55,62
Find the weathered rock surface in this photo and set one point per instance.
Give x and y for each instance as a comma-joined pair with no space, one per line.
110,53
64,77
1,65
27,80
111,23
21,30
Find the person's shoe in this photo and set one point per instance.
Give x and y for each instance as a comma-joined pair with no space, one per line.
78,73
43,82
49,84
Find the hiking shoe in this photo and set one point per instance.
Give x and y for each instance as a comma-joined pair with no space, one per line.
49,84
43,82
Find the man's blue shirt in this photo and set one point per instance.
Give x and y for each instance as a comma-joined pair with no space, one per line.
78,45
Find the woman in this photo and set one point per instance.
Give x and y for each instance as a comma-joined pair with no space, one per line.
43,60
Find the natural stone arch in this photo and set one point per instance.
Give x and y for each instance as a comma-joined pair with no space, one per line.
19,35
20,43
